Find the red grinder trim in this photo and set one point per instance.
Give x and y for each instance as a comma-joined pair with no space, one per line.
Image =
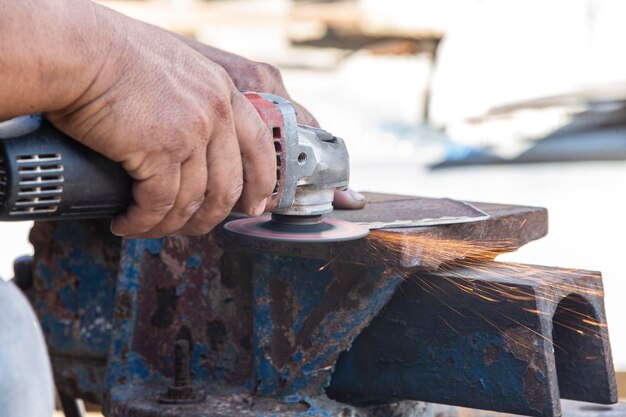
273,118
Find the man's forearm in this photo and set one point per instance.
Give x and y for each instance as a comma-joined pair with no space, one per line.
51,51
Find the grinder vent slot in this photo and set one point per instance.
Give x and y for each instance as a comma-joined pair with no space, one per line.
277,133
3,178
39,184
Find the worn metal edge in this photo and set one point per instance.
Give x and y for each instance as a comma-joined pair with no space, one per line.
508,228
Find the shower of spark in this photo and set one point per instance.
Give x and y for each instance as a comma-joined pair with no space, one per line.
465,264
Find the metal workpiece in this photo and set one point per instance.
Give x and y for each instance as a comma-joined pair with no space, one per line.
505,228
504,337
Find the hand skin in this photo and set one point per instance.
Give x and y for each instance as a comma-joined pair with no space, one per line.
173,118
248,75
170,114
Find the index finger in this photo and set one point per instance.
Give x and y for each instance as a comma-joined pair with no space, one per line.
257,154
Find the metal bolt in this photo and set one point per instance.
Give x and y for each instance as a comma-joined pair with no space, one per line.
347,412
181,391
182,367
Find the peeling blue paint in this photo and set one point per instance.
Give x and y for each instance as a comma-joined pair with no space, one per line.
304,313
308,281
194,261
75,288
153,246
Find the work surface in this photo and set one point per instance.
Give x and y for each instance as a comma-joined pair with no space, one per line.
570,409
507,228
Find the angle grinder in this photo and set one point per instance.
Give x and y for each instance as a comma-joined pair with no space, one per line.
45,175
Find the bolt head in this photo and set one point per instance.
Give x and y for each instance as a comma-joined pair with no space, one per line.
180,395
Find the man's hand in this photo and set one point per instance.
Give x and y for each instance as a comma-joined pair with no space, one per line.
171,114
248,75
174,120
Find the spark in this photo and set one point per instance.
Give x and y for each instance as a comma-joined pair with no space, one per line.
326,265
450,326
471,267
595,323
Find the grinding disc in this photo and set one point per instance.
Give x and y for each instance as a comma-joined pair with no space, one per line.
329,230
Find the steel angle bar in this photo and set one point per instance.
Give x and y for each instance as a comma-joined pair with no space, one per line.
507,228
495,336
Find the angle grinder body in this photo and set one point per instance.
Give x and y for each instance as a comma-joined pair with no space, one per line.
46,175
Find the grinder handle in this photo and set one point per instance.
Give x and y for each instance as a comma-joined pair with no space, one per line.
46,175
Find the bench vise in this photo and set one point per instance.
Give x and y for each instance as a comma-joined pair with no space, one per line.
224,325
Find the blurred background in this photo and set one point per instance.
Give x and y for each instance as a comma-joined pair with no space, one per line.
520,102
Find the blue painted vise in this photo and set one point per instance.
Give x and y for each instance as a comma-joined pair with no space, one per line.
221,325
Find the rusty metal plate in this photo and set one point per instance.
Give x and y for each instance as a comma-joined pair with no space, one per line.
401,212
507,228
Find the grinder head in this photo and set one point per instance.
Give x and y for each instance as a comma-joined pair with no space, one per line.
311,164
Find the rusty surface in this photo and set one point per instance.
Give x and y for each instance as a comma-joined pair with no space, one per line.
74,282
79,377
305,314
224,401
400,211
504,337
265,322
190,289
509,228
273,324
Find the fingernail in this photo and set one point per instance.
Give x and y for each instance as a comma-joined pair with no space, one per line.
112,228
260,208
356,195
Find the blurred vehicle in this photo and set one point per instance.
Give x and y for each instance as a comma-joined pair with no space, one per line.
533,81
